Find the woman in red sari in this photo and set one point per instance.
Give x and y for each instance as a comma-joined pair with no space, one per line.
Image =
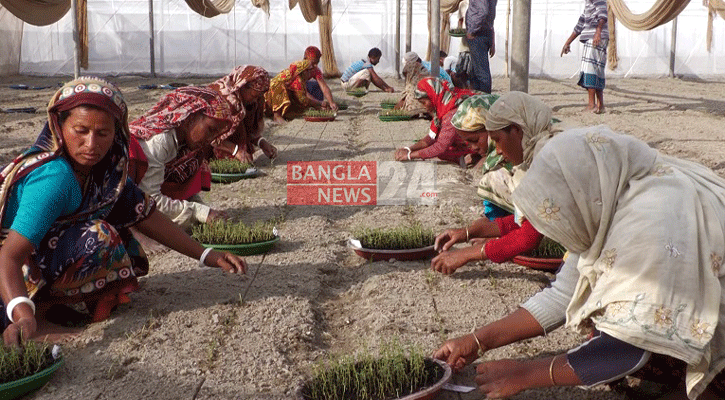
171,146
440,101
244,89
288,97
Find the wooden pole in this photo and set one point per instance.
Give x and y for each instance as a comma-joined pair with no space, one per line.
152,48
408,24
520,48
673,47
398,4
508,34
435,37
76,41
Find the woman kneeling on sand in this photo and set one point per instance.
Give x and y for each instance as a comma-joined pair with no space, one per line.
244,88
440,100
643,278
496,239
66,207
169,148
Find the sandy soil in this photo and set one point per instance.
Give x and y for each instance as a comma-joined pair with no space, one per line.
186,334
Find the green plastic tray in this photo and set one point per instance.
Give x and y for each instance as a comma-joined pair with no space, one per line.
20,387
388,118
357,94
228,178
245,249
387,106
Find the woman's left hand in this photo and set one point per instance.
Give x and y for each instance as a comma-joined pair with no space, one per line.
503,378
229,262
268,149
401,155
448,262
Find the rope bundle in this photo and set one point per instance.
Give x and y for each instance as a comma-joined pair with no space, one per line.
662,12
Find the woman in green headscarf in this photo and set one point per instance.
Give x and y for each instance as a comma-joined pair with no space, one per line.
498,239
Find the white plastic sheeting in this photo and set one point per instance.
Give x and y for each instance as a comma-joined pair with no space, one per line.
189,44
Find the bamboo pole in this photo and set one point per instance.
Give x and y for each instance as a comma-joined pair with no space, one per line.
408,25
76,41
397,38
435,38
673,47
152,46
520,49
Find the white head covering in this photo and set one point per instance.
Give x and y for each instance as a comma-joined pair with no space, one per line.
410,57
650,234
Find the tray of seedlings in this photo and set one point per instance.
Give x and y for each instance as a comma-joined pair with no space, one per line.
457,32
394,115
402,243
237,237
313,115
388,104
23,370
548,256
357,92
226,170
396,374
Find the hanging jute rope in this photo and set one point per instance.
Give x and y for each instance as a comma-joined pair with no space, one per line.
310,8
662,12
38,12
211,8
448,7
713,7
263,4
612,57
329,63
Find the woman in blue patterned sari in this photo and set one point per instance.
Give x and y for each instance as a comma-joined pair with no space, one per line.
65,208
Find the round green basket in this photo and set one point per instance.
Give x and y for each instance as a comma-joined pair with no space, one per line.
389,118
20,387
387,106
245,249
228,178
456,34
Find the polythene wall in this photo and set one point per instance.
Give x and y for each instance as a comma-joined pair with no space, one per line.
189,44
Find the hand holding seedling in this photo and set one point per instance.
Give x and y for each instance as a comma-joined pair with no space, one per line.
227,261
20,331
445,240
216,215
458,352
448,262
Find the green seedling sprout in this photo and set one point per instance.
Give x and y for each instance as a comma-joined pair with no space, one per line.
228,166
229,232
399,238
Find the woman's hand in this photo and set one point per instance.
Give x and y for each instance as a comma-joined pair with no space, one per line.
245,157
449,261
449,238
333,106
227,261
504,378
458,352
267,148
401,155
20,332
216,215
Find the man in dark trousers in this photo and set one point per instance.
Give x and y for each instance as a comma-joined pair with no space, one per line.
481,40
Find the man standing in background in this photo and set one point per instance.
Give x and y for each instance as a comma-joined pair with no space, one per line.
481,41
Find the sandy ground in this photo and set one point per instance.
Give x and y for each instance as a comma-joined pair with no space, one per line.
185,335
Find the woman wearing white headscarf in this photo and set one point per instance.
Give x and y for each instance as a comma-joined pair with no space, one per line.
527,120
644,277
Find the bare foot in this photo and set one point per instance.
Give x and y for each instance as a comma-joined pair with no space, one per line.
598,110
589,108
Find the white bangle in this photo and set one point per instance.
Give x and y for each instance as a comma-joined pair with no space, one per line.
236,149
260,140
203,257
408,148
14,302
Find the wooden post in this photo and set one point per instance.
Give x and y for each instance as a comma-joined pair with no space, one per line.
408,24
397,38
152,49
435,37
673,47
520,48
76,41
